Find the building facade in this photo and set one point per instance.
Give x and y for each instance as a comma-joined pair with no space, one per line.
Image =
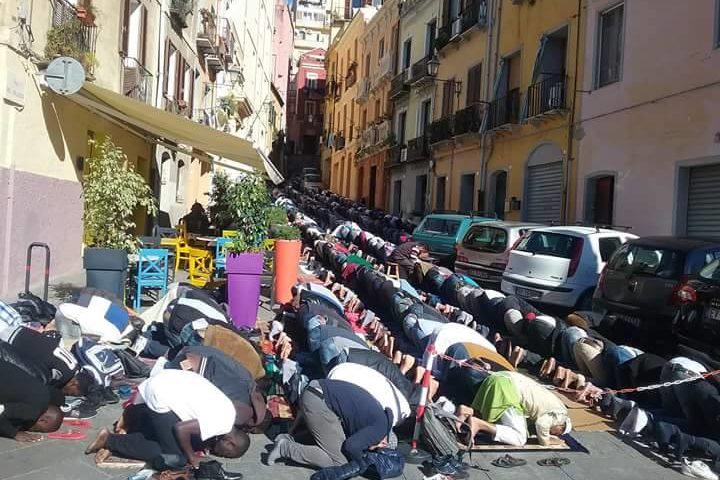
412,90
342,119
648,136
379,44
283,47
313,26
305,123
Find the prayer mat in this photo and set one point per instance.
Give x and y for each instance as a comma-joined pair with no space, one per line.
119,462
585,419
570,444
279,407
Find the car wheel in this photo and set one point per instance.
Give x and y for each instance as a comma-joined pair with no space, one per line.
585,301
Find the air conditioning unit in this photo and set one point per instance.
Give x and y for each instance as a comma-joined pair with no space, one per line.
456,27
131,79
403,155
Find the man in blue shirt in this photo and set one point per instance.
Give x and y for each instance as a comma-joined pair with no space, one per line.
345,422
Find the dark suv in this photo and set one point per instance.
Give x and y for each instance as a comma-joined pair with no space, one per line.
645,281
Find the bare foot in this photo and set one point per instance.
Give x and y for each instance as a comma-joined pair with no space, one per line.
397,357
570,378
517,356
559,376
433,388
99,443
548,367
390,347
102,455
406,363
419,373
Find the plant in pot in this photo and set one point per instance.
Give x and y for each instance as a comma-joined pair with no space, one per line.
248,204
112,194
286,254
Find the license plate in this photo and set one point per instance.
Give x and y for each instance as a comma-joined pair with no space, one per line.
478,273
528,293
634,321
713,313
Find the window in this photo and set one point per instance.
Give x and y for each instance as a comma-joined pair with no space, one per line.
608,246
425,117
311,81
711,272
407,51
309,110
440,193
486,239
381,48
430,32
440,226
644,260
420,194
474,84
448,97
397,196
610,46
402,120
600,199
552,244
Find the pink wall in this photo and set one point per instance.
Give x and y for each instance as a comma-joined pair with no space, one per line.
661,117
282,48
312,61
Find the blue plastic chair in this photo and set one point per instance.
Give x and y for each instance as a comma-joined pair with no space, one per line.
221,253
152,271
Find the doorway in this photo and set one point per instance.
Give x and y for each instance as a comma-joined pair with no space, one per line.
373,182
397,196
467,192
600,200
499,186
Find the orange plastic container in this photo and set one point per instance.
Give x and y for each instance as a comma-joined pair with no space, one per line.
287,261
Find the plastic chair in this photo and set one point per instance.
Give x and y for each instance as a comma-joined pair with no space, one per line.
201,267
152,271
392,270
221,253
230,233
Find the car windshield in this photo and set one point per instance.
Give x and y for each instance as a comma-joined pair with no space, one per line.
312,178
549,243
440,226
650,261
486,239
711,271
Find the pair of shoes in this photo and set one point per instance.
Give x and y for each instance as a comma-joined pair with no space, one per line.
84,411
635,422
213,470
508,461
446,465
274,454
697,469
101,396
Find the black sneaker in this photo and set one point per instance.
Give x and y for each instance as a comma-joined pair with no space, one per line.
213,470
446,465
83,412
109,396
95,397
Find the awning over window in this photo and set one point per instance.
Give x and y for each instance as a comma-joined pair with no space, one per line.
167,127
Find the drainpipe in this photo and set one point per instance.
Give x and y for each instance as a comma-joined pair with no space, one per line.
486,144
571,123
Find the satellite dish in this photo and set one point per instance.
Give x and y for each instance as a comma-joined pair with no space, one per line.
65,76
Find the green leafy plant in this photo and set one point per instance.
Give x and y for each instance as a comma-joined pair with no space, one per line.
220,208
66,40
285,232
246,202
112,192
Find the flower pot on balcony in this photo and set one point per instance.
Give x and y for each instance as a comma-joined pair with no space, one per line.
243,287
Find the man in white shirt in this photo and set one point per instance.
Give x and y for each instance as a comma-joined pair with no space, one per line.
377,385
173,408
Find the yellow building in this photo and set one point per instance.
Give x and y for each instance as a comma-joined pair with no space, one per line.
379,45
342,113
412,90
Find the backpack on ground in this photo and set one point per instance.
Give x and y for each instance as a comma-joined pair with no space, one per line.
98,360
438,434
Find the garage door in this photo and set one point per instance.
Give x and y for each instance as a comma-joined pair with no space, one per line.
544,192
703,212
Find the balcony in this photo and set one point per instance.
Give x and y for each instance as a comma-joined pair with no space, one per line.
73,33
210,43
351,76
441,130
398,155
398,85
418,149
419,75
475,14
375,137
179,11
547,97
228,38
339,141
384,71
136,80
504,111
363,90
469,119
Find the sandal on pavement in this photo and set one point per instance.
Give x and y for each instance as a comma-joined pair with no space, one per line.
554,462
77,422
508,461
67,435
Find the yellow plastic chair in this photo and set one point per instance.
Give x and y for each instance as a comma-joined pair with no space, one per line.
180,244
201,267
230,233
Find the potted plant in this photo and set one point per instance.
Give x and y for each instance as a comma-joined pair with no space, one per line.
112,193
286,254
248,204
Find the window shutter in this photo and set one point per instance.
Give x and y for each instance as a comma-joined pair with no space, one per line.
448,92
474,82
143,35
166,67
192,94
125,27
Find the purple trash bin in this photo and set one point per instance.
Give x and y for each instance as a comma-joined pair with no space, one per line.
243,287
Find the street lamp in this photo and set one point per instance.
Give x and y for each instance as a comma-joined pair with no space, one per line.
433,65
